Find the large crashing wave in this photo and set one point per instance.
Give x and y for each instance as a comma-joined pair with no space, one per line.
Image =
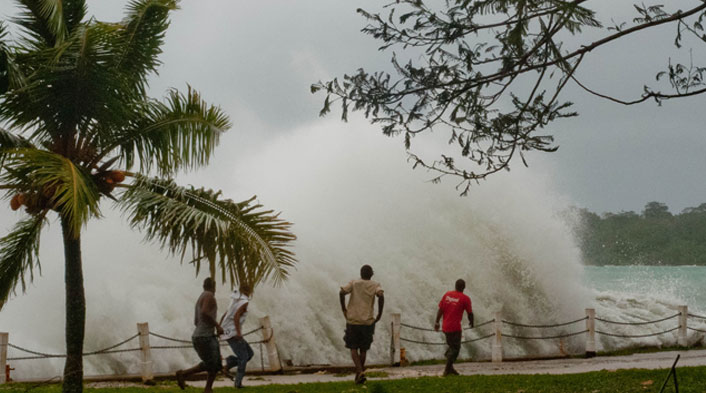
354,201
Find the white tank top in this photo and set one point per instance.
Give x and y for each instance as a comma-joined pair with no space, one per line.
238,300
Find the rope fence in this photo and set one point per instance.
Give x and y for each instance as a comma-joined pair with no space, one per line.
173,339
498,333
480,325
443,343
268,341
545,326
41,355
432,330
517,331
637,335
545,337
169,338
510,323
637,323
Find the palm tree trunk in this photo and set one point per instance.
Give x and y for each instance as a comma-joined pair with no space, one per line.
75,311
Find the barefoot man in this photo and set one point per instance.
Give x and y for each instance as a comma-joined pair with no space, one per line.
451,307
204,337
360,322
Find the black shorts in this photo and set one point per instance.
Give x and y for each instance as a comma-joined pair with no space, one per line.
209,352
359,336
453,339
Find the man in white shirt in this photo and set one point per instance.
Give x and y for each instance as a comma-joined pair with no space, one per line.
232,322
360,322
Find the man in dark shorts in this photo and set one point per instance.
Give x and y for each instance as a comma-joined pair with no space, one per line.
204,337
451,307
360,323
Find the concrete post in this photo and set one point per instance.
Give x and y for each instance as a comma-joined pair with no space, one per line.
497,355
395,347
4,336
591,334
143,330
682,338
268,336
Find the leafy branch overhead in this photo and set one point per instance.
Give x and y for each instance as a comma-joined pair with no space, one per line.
490,74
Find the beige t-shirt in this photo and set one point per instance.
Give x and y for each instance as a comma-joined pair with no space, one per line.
362,302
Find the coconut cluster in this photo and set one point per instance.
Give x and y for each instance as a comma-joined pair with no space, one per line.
36,201
46,198
106,181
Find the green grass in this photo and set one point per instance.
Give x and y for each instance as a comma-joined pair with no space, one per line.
691,379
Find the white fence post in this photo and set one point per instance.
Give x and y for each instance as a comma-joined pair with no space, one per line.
143,330
683,318
268,336
395,347
497,355
591,334
3,355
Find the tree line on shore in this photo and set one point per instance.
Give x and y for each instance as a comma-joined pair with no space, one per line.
653,237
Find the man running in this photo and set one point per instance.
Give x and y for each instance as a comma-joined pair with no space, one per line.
360,323
232,322
451,307
204,337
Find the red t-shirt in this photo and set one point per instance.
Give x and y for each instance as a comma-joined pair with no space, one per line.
453,304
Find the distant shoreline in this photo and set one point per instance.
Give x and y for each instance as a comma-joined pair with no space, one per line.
653,237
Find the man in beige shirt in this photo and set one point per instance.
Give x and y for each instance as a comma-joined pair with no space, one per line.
360,322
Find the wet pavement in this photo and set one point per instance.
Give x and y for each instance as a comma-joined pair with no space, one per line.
657,360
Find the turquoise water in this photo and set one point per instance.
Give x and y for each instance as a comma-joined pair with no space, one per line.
647,293
668,284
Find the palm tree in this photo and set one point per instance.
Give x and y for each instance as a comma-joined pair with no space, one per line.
76,127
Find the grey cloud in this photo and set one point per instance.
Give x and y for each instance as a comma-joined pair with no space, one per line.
257,60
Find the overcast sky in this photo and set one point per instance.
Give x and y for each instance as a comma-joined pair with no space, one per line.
257,59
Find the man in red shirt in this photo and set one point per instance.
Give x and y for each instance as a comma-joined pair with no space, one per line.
451,307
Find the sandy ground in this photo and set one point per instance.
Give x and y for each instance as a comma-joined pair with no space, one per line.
658,360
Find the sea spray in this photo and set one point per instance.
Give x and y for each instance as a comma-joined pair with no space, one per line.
354,200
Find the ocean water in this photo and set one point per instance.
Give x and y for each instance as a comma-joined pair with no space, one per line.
671,284
646,293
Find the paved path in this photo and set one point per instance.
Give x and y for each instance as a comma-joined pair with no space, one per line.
656,360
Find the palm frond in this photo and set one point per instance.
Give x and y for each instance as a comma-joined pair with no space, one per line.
10,74
74,12
9,141
247,243
51,181
69,85
179,133
141,38
43,21
4,59
19,256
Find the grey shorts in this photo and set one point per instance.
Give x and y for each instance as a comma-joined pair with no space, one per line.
209,352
